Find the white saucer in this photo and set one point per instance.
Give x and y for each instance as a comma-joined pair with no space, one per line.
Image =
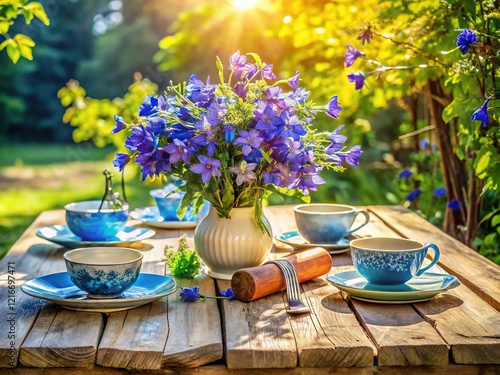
59,289
295,240
420,288
151,216
60,234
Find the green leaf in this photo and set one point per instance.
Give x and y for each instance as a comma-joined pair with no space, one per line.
220,68
495,221
28,16
13,52
482,162
38,11
6,42
256,57
4,26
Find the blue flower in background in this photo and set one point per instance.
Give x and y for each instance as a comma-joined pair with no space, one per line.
465,39
351,55
333,107
439,192
413,195
481,114
358,78
120,125
405,174
190,294
454,205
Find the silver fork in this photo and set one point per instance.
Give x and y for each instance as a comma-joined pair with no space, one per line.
295,304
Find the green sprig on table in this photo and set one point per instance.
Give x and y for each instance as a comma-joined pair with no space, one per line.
183,262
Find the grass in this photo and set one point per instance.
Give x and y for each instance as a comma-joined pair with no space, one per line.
36,178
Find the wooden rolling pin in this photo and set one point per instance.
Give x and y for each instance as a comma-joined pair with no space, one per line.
249,284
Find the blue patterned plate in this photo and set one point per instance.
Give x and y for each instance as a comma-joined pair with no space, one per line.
59,289
295,240
60,234
418,289
151,216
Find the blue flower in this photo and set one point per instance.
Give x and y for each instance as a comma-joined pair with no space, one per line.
333,107
120,125
294,81
351,55
465,39
413,195
439,192
454,205
228,293
121,160
481,114
358,78
190,294
405,174
149,106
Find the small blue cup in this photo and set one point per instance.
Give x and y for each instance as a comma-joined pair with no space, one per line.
169,203
103,272
327,223
86,221
390,261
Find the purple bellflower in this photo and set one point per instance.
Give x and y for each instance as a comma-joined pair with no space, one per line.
358,78
206,168
351,55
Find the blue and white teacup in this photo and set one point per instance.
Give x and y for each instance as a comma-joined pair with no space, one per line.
103,272
390,261
327,223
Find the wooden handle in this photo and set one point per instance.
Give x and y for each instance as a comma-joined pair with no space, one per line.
249,284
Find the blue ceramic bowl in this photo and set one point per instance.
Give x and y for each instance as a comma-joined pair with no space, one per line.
168,204
326,223
103,272
85,220
390,261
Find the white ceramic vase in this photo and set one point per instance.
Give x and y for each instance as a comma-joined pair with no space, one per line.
227,245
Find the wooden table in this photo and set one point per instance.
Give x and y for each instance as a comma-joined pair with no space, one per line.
458,331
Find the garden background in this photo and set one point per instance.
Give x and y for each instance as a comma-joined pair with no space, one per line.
69,66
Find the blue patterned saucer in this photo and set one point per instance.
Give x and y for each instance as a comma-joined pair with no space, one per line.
151,216
418,289
61,235
59,289
295,240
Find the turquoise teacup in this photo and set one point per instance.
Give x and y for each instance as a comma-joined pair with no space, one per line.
326,223
390,261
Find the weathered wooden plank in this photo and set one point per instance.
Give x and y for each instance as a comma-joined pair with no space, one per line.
28,258
474,270
330,336
195,336
134,339
221,369
62,338
469,325
257,334
402,336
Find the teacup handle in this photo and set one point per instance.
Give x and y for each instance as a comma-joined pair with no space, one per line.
434,259
367,219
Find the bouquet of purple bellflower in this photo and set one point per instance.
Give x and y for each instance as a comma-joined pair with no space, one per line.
236,142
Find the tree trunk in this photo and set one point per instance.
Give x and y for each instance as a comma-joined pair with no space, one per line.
452,168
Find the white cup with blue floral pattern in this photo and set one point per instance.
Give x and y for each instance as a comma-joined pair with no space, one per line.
390,261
